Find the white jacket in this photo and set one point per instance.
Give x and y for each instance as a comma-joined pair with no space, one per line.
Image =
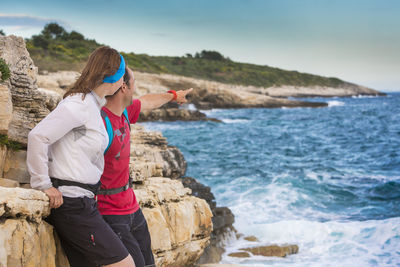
69,144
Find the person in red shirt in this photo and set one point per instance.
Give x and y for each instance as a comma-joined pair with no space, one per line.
116,199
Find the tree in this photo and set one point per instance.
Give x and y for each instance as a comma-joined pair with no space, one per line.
213,55
40,41
53,31
2,33
75,36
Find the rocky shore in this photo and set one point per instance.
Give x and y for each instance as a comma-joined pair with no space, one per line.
209,94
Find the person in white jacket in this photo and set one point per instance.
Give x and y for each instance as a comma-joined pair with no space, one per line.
65,160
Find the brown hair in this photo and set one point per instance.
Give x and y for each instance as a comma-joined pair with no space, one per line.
104,61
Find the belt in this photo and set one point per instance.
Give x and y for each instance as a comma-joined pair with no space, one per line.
91,187
113,191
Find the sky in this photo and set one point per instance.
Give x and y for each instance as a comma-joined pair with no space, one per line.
355,40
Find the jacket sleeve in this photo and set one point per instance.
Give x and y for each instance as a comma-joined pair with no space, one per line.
66,116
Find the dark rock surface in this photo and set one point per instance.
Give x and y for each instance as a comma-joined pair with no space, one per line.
223,220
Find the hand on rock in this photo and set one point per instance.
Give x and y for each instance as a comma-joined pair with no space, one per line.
55,197
181,96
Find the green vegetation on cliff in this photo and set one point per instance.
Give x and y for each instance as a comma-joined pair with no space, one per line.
56,49
4,70
12,145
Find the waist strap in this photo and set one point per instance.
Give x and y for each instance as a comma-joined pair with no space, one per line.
113,191
91,187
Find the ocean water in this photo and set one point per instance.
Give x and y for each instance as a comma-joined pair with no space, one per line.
326,179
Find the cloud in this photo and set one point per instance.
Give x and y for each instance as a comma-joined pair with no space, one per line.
22,21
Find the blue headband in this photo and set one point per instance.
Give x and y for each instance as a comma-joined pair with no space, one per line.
120,72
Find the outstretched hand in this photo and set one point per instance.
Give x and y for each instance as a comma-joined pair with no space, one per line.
181,96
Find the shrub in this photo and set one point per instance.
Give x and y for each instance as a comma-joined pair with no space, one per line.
4,69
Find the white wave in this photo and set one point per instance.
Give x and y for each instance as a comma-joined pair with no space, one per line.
162,126
190,107
335,103
213,111
366,243
364,96
234,121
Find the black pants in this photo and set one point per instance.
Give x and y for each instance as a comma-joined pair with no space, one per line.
86,238
133,231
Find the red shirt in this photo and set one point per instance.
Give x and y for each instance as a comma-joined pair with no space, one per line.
116,165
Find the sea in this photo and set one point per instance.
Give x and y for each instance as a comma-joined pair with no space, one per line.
326,179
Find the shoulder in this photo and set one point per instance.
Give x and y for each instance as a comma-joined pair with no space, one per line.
135,106
75,104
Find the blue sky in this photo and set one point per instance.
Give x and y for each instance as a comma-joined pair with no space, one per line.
358,41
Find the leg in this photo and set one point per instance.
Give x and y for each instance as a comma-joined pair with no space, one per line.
127,262
121,226
140,231
83,231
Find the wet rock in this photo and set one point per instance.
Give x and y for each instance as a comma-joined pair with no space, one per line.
251,238
174,114
273,251
223,220
239,255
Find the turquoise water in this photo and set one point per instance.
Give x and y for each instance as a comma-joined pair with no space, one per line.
327,179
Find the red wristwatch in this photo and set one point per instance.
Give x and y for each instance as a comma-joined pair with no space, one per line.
174,93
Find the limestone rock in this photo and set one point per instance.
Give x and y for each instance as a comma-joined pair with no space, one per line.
346,90
23,203
15,167
8,183
151,156
57,80
29,106
223,220
209,94
6,108
51,97
26,243
179,224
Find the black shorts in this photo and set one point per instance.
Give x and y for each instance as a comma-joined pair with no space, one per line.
133,231
86,238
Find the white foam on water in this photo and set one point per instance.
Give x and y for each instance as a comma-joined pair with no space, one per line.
161,126
334,243
234,121
211,111
335,103
190,107
269,212
364,96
